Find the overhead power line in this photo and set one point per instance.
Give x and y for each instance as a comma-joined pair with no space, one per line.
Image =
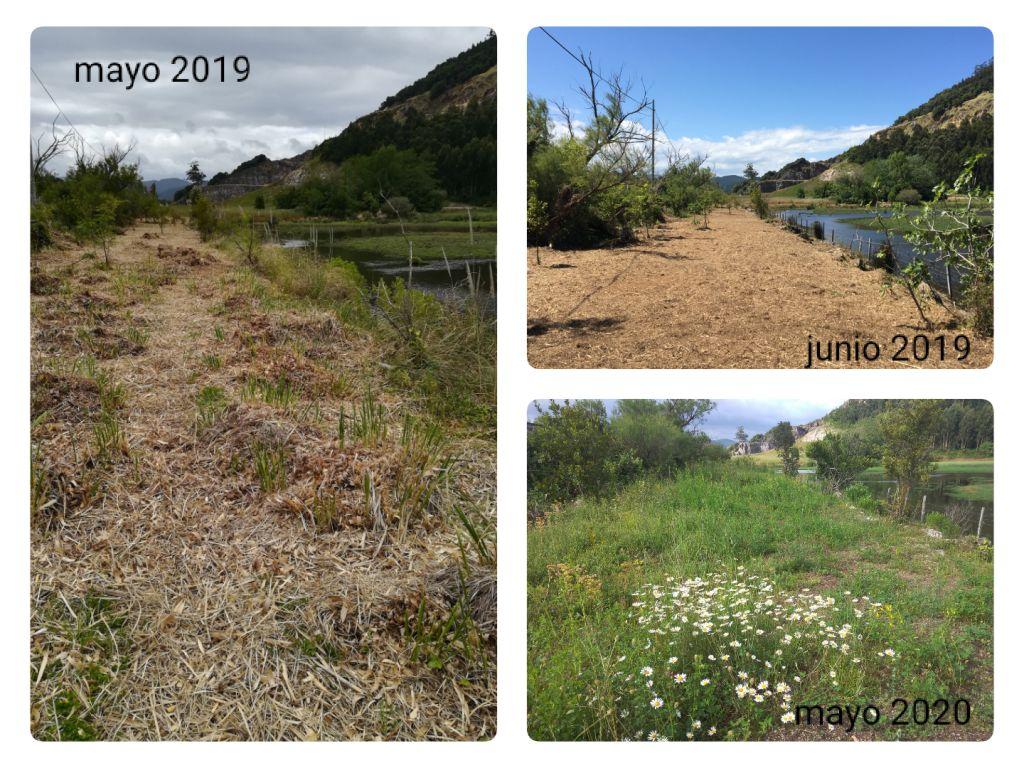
62,113
579,60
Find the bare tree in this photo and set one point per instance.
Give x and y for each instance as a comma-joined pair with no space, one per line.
616,147
45,147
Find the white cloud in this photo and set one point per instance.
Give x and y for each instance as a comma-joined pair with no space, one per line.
767,148
771,148
305,84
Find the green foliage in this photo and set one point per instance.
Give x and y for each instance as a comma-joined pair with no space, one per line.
458,69
40,227
98,223
861,496
942,524
203,216
944,151
536,215
108,186
683,185
363,183
840,458
758,203
781,436
447,353
587,561
211,402
964,425
569,450
962,237
576,449
538,131
461,142
270,463
908,434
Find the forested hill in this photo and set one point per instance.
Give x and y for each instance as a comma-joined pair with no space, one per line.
946,131
448,116
444,126
963,424
457,70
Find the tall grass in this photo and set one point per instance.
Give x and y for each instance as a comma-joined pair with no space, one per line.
586,561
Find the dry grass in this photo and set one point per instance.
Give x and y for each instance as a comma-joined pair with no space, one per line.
744,294
178,595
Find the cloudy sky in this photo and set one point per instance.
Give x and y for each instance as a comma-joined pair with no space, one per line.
305,84
753,415
764,95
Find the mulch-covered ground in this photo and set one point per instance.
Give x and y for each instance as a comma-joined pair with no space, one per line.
176,593
744,293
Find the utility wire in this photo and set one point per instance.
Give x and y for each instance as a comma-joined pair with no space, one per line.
584,64
62,113
579,60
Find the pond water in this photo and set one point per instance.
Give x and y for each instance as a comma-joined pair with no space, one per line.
946,493
868,241
454,280
943,491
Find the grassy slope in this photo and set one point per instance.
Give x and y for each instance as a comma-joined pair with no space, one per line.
940,593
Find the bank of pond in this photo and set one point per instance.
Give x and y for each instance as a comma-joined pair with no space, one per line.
450,263
961,490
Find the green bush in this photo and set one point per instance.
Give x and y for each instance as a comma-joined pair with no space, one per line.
860,495
757,202
203,216
943,524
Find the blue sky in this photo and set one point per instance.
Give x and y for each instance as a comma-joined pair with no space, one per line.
768,95
753,415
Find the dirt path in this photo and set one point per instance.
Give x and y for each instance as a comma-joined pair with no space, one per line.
215,609
744,294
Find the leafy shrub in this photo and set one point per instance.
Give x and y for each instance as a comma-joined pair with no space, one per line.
757,202
908,197
943,524
840,458
860,495
203,216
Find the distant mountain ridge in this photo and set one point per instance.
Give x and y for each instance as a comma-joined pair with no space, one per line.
947,130
730,182
165,188
461,90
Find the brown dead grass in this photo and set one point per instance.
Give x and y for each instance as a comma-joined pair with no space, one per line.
743,294
171,597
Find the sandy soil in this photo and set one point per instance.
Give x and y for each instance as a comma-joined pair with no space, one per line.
743,294
172,599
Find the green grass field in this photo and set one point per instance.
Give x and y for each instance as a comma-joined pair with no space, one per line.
976,490
983,466
611,658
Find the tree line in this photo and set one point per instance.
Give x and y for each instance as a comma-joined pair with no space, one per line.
577,448
591,180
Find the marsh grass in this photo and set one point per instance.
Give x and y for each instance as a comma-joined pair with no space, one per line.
423,469
270,464
367,424
586,561
452,637
210,404
279,393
